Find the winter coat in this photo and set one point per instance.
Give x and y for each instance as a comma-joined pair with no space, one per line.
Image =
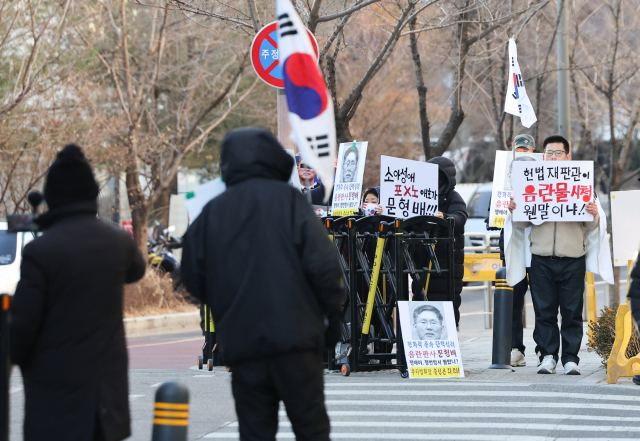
451,204
259,257
66,330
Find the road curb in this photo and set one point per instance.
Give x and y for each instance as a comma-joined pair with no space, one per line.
166,322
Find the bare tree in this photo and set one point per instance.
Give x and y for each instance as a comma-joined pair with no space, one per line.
173,83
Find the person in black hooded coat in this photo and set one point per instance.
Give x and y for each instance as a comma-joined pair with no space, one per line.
450,204
66,330
259,257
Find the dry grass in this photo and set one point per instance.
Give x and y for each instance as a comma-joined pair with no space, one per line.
154,295
604,335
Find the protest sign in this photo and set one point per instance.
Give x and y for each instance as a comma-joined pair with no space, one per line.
501,192
408,188
294,180
349,176
198,198
552,191
430,339
625,212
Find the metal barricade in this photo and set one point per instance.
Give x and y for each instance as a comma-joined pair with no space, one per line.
480,266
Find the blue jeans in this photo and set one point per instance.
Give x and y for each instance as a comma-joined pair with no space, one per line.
558,282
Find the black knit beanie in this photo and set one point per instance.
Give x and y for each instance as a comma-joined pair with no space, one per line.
70,179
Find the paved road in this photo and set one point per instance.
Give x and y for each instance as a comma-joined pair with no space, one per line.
487,405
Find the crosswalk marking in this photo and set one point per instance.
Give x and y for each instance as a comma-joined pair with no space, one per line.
479,415
413,411
465,425
483,404
483,393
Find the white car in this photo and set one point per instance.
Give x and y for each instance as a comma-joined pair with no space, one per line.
11,245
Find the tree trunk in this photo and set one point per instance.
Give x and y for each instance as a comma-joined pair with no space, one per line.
135,195
422,92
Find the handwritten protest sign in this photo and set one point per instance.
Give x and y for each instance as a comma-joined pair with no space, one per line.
430,339
408,188
552,191
502,176
349,176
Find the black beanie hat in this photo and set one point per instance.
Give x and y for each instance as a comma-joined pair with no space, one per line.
70,179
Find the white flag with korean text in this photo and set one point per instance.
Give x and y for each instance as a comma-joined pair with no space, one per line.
517,102
310,106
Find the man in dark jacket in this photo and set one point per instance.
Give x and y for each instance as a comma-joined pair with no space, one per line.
260,258
450,204
66,327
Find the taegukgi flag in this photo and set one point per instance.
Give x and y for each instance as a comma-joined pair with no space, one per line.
310,105
517,102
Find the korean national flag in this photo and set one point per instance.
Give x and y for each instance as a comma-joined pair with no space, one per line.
517,102
310,105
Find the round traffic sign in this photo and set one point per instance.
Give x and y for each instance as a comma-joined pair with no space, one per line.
264,55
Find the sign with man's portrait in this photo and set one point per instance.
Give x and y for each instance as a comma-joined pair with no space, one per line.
349,178
430,339
552,191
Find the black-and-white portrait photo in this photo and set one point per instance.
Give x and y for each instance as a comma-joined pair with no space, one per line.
507,180
350,163
428,322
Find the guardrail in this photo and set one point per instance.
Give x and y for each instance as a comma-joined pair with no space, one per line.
480,266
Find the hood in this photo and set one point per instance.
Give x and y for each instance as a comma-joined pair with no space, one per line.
448,171
374,190
253,152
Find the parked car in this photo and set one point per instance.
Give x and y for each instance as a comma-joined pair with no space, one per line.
11,246
478,209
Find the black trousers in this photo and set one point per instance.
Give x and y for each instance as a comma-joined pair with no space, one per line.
519,293
296,379
557,283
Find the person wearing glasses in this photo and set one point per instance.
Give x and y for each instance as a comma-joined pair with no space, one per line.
556,276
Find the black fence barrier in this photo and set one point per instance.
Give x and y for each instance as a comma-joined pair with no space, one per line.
377,253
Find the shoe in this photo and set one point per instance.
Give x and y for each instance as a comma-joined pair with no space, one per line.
548,365
570,368
517,358
636,379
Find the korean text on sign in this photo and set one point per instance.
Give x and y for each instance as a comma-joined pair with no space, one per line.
408,188
553,191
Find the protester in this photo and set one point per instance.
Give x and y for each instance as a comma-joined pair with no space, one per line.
372,196
557,276
66,330
307,176
450,204
634,295
258,256
521,143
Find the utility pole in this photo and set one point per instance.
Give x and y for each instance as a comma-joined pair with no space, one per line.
564,101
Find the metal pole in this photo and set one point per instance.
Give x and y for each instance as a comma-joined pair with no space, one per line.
284,128
503,311
564,102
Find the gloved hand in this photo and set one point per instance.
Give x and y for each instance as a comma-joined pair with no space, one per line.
332,333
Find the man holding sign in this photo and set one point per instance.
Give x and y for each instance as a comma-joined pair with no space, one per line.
557,274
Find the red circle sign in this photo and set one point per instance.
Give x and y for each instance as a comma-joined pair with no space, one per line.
265,57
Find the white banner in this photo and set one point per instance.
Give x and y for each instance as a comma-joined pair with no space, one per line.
430,339
552,191
625,212
349,177
501,192
517,102
310,106
408,188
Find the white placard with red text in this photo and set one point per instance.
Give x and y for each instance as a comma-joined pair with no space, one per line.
552,191
408,188
349,177
430,339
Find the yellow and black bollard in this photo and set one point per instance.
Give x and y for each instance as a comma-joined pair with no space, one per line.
502,316
171,414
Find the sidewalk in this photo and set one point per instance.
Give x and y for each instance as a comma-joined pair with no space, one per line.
476,347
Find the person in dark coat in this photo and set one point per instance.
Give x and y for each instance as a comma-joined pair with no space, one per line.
450,204
259,257
66,330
